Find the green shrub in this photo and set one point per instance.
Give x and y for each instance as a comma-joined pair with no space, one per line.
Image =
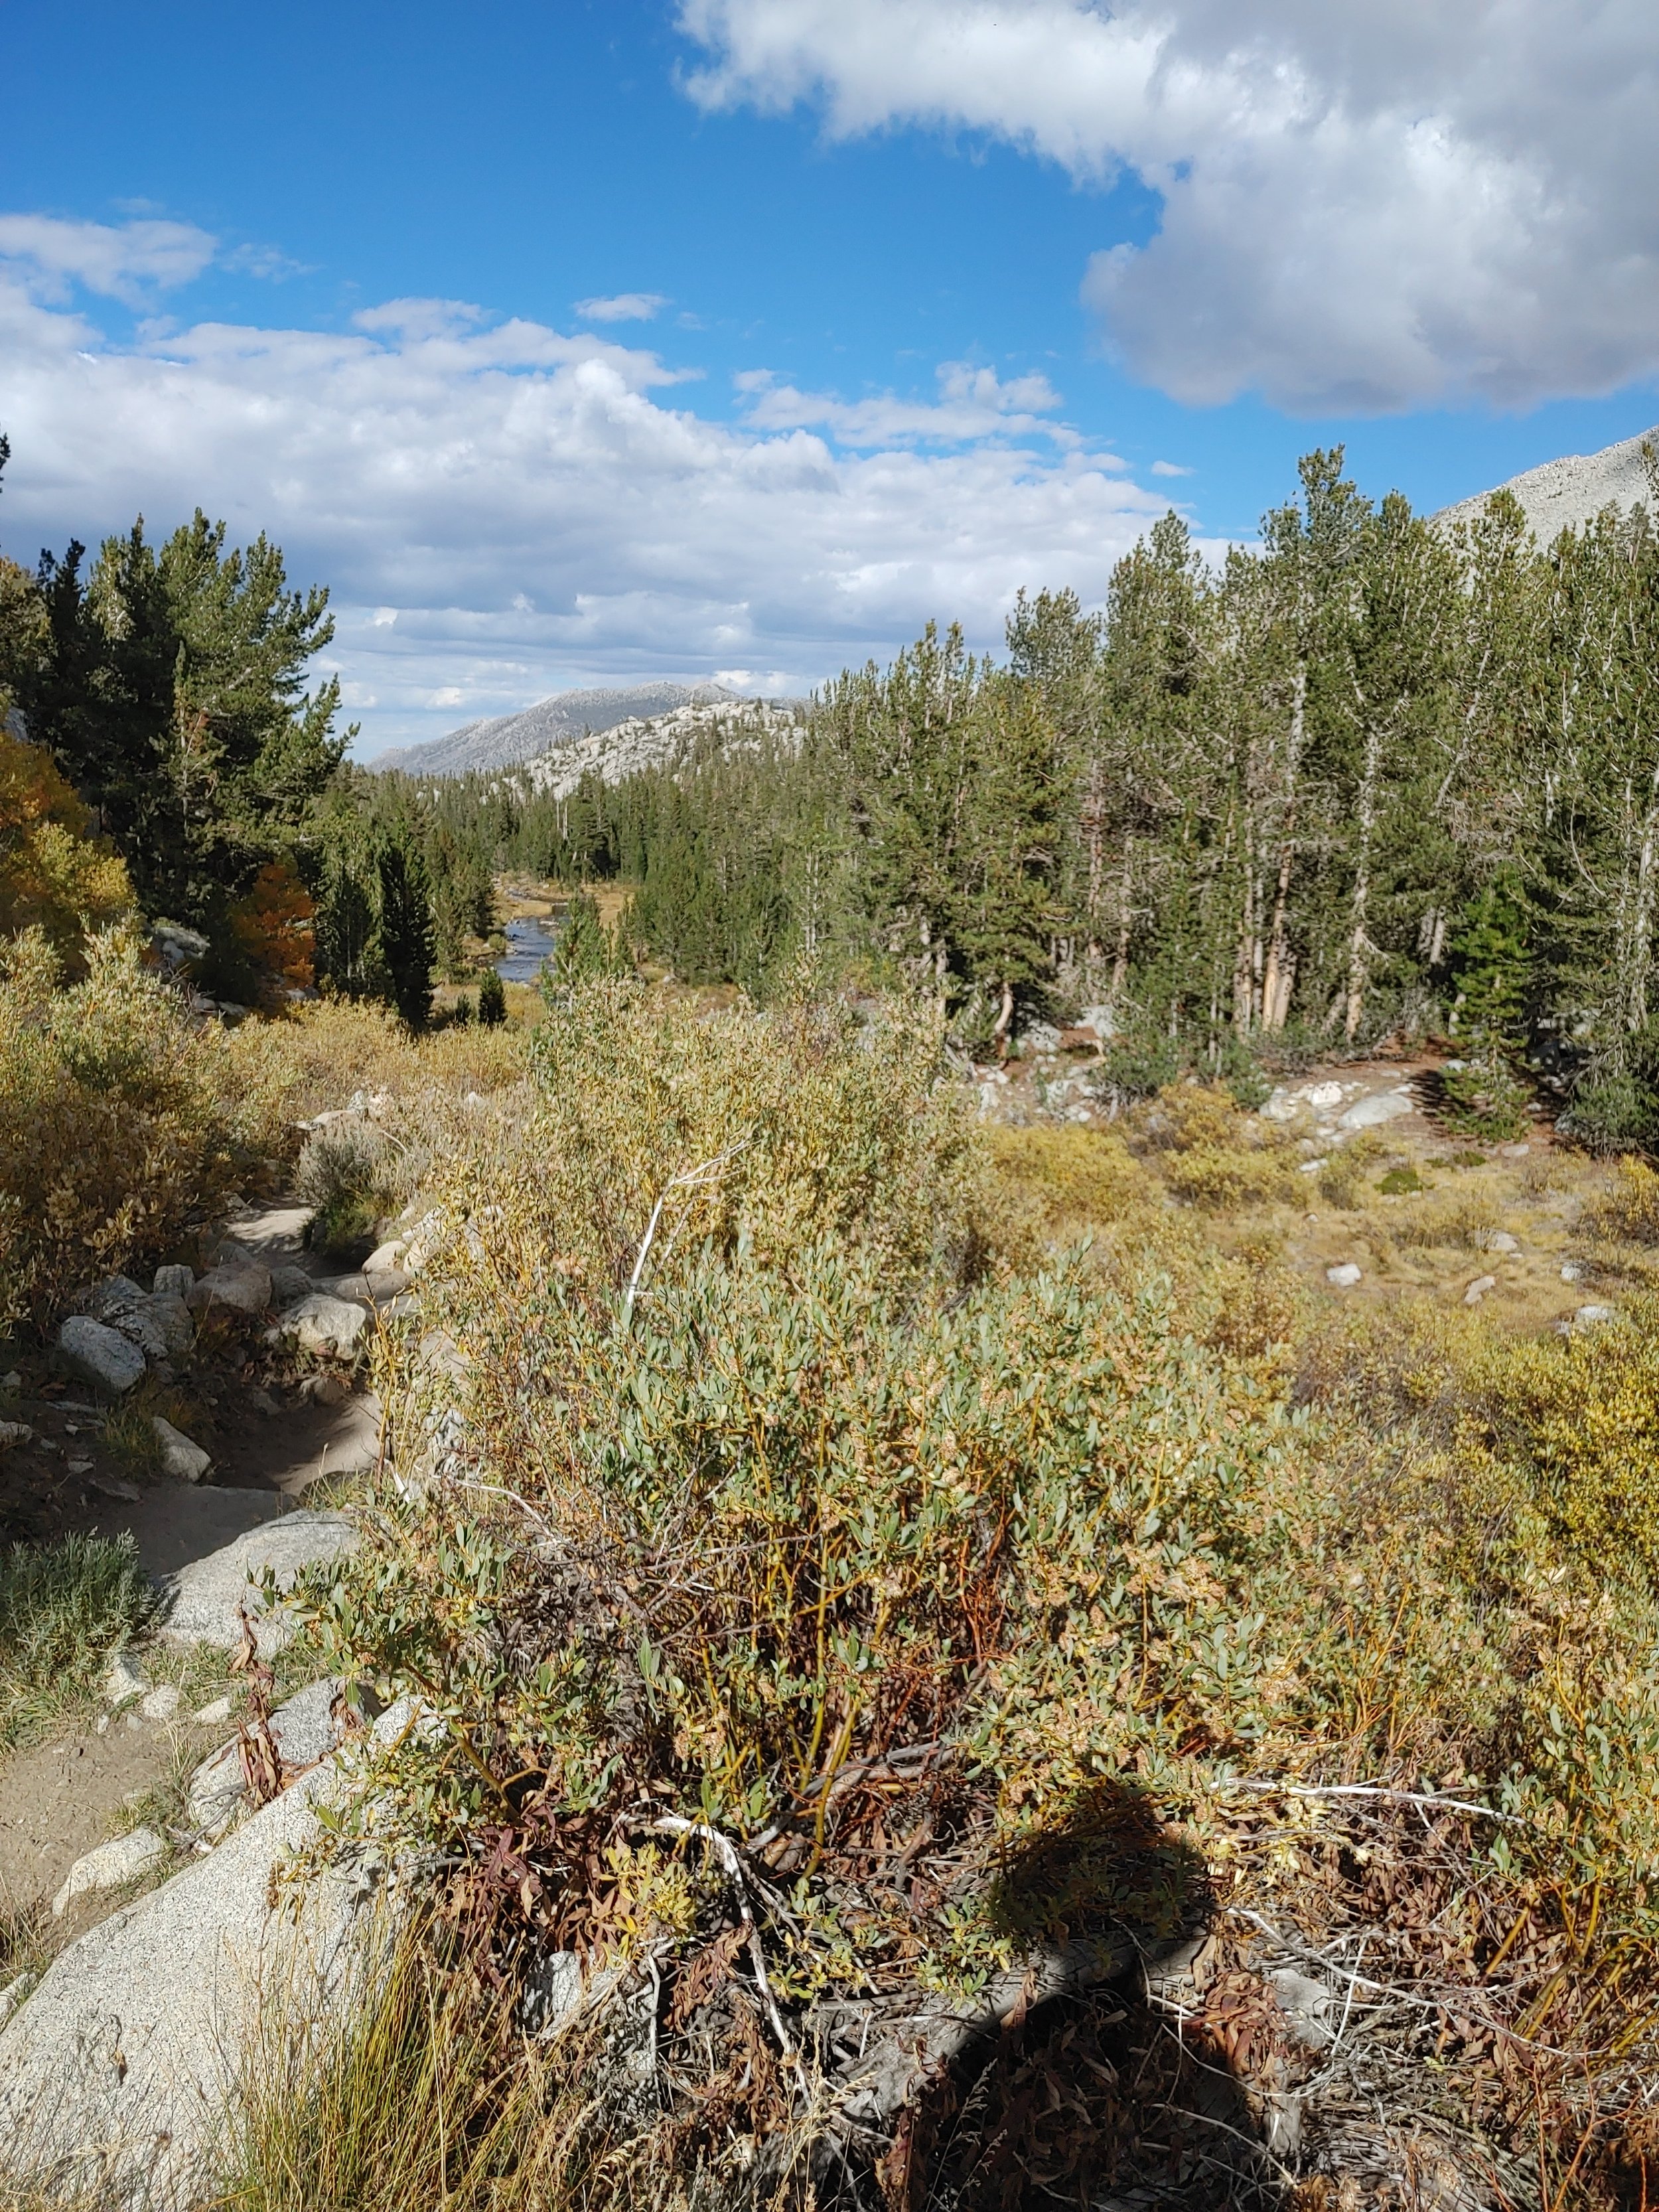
65,1609
349,1171
492,1002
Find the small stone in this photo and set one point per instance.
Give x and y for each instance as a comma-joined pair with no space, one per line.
1592,1316
1312,1167
102,1727
183,1460
14,1432
1478,1288
11,1380
1321,1096
1345,1277
128,1492
213,1715
100,1356
1572,1272
1513,1151
326,1390
161,1703
110,1867
174,1282
261,1401
124,1681
1503,1242
81,1465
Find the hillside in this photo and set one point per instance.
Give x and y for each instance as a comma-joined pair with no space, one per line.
655,741
505,739
1565,494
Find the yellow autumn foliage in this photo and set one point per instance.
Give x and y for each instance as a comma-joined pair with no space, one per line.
54,876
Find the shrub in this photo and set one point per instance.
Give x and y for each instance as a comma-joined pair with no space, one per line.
350,1173
65,1609
492,1002
54,876
123,1126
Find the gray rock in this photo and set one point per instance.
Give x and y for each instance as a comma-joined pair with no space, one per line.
159,1325
288,1284
386,1283
354,1285
115,1294
161,1704
100,1355
124,1681
213,1715
119,2064
208,1595
1343,1277
1372,1113
1502,1241
243,1286
386,1259
329,1327
1592,1316
1478,1288
173,1282
303,1729
1572,1272
14,1432
112,1866
183,1460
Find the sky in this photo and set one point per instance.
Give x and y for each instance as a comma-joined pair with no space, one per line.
580,343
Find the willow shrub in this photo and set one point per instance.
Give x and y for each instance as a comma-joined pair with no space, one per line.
836,1481
124,1125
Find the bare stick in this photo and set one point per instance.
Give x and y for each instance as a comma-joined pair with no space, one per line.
674,1824
1374,1789
693,1179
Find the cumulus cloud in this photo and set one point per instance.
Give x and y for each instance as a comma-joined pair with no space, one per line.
119,261
623,307
1368,204
502,507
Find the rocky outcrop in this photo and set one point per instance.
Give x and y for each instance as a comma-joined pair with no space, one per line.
207,1598
114,2071
1569,492
99,1356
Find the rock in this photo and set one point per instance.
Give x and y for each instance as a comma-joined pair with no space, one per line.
242,1285
177,947
303,1729
1345,1277
161,1704
1312,1167
1321,1096
14,1432
328,1326
326,1390
1592,1316
124,1680
121,2062
1513,1151
160,1325
261,1402
1038,1041
290,1283
11,1380
183,1460
115,1294
386,1259
213,1716
275,1230
100,1355
1572,1272
1371,1112
208,1594
129,1492
392,1283
1503,1242
112,1866
1478,1288
173,1282
1307,2005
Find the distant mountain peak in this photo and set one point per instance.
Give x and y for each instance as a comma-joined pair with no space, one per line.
1565,493
504,740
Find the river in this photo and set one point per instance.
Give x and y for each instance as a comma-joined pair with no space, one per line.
530,941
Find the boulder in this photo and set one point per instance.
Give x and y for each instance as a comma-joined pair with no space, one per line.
114,1296
173,1282
1502,1241
1478,1288
1344,1276
386,1259
161,1704
208,1595
124,1681
239,1283
183,1460
290,1283
160,1325
100,1355
112,1866
303,1729
1592,1316
1371,1112
328,1327
118,2064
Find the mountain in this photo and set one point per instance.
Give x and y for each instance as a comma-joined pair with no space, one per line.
505,739
664,741
1567,493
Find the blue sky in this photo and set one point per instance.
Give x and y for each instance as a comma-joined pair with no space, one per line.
890,366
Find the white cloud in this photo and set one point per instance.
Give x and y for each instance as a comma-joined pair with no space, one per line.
623,307
122,261
1367,203
1169,469
502,508
973,403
